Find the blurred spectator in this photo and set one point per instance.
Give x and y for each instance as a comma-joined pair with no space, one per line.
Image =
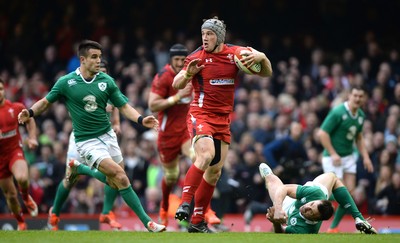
286,156
389,197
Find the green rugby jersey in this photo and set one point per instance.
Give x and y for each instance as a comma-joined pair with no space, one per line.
86,102
343,129
296,223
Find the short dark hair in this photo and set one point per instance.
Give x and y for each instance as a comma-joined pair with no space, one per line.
1,81
325,209
359,87
85,45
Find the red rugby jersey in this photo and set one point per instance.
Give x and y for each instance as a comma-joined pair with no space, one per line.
214,86
9,132
172,120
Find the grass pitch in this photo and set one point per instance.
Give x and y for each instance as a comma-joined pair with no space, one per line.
33,236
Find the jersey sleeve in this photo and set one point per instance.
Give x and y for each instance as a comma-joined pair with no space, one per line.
292,230
309,191
116,97
158,85
331,121
55,92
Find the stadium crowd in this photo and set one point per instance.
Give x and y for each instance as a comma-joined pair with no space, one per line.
309,78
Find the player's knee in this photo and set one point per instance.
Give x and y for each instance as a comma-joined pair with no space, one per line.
21,179
212,176
68,184
171,175
120,178
11,195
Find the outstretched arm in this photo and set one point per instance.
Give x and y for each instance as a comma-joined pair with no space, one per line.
38,108
133,115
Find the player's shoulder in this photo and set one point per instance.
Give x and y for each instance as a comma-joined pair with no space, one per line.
14,105
165,71
196,53
104,77
68,78
231,47
339,109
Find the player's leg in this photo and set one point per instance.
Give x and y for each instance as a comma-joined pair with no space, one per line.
272,182
210,215
347,173
10,193
64,187
97,153
21,174
204,153
328,166
117,177
206,188
170,150
107,216
169,180
346,202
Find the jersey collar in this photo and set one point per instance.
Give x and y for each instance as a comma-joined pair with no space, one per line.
346,105
78,72
308,221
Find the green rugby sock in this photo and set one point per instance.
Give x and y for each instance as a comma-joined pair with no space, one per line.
61,196
343,197
86,170
340,212
133,201
110,194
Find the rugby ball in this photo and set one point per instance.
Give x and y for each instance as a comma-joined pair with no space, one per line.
239,54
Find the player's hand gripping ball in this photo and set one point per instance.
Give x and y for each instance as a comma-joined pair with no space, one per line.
242,52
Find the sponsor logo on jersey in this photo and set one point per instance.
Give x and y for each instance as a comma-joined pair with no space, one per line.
344,117
293,221
360,120
71,82
208,59
303,200
222,81
102,86
8,134
200,127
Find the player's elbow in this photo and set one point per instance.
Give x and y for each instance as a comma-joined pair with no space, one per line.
153,107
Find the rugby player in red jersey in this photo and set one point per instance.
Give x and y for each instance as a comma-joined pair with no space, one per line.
212,71
12,160
173,137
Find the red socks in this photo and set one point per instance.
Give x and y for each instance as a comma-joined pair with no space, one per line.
202,201
192,181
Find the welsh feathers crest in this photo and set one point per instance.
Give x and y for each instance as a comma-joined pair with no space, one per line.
102,86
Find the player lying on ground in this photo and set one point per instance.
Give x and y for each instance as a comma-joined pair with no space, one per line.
301,209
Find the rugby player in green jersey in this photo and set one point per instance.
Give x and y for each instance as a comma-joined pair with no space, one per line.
340,130
86,92
63,189
300,209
